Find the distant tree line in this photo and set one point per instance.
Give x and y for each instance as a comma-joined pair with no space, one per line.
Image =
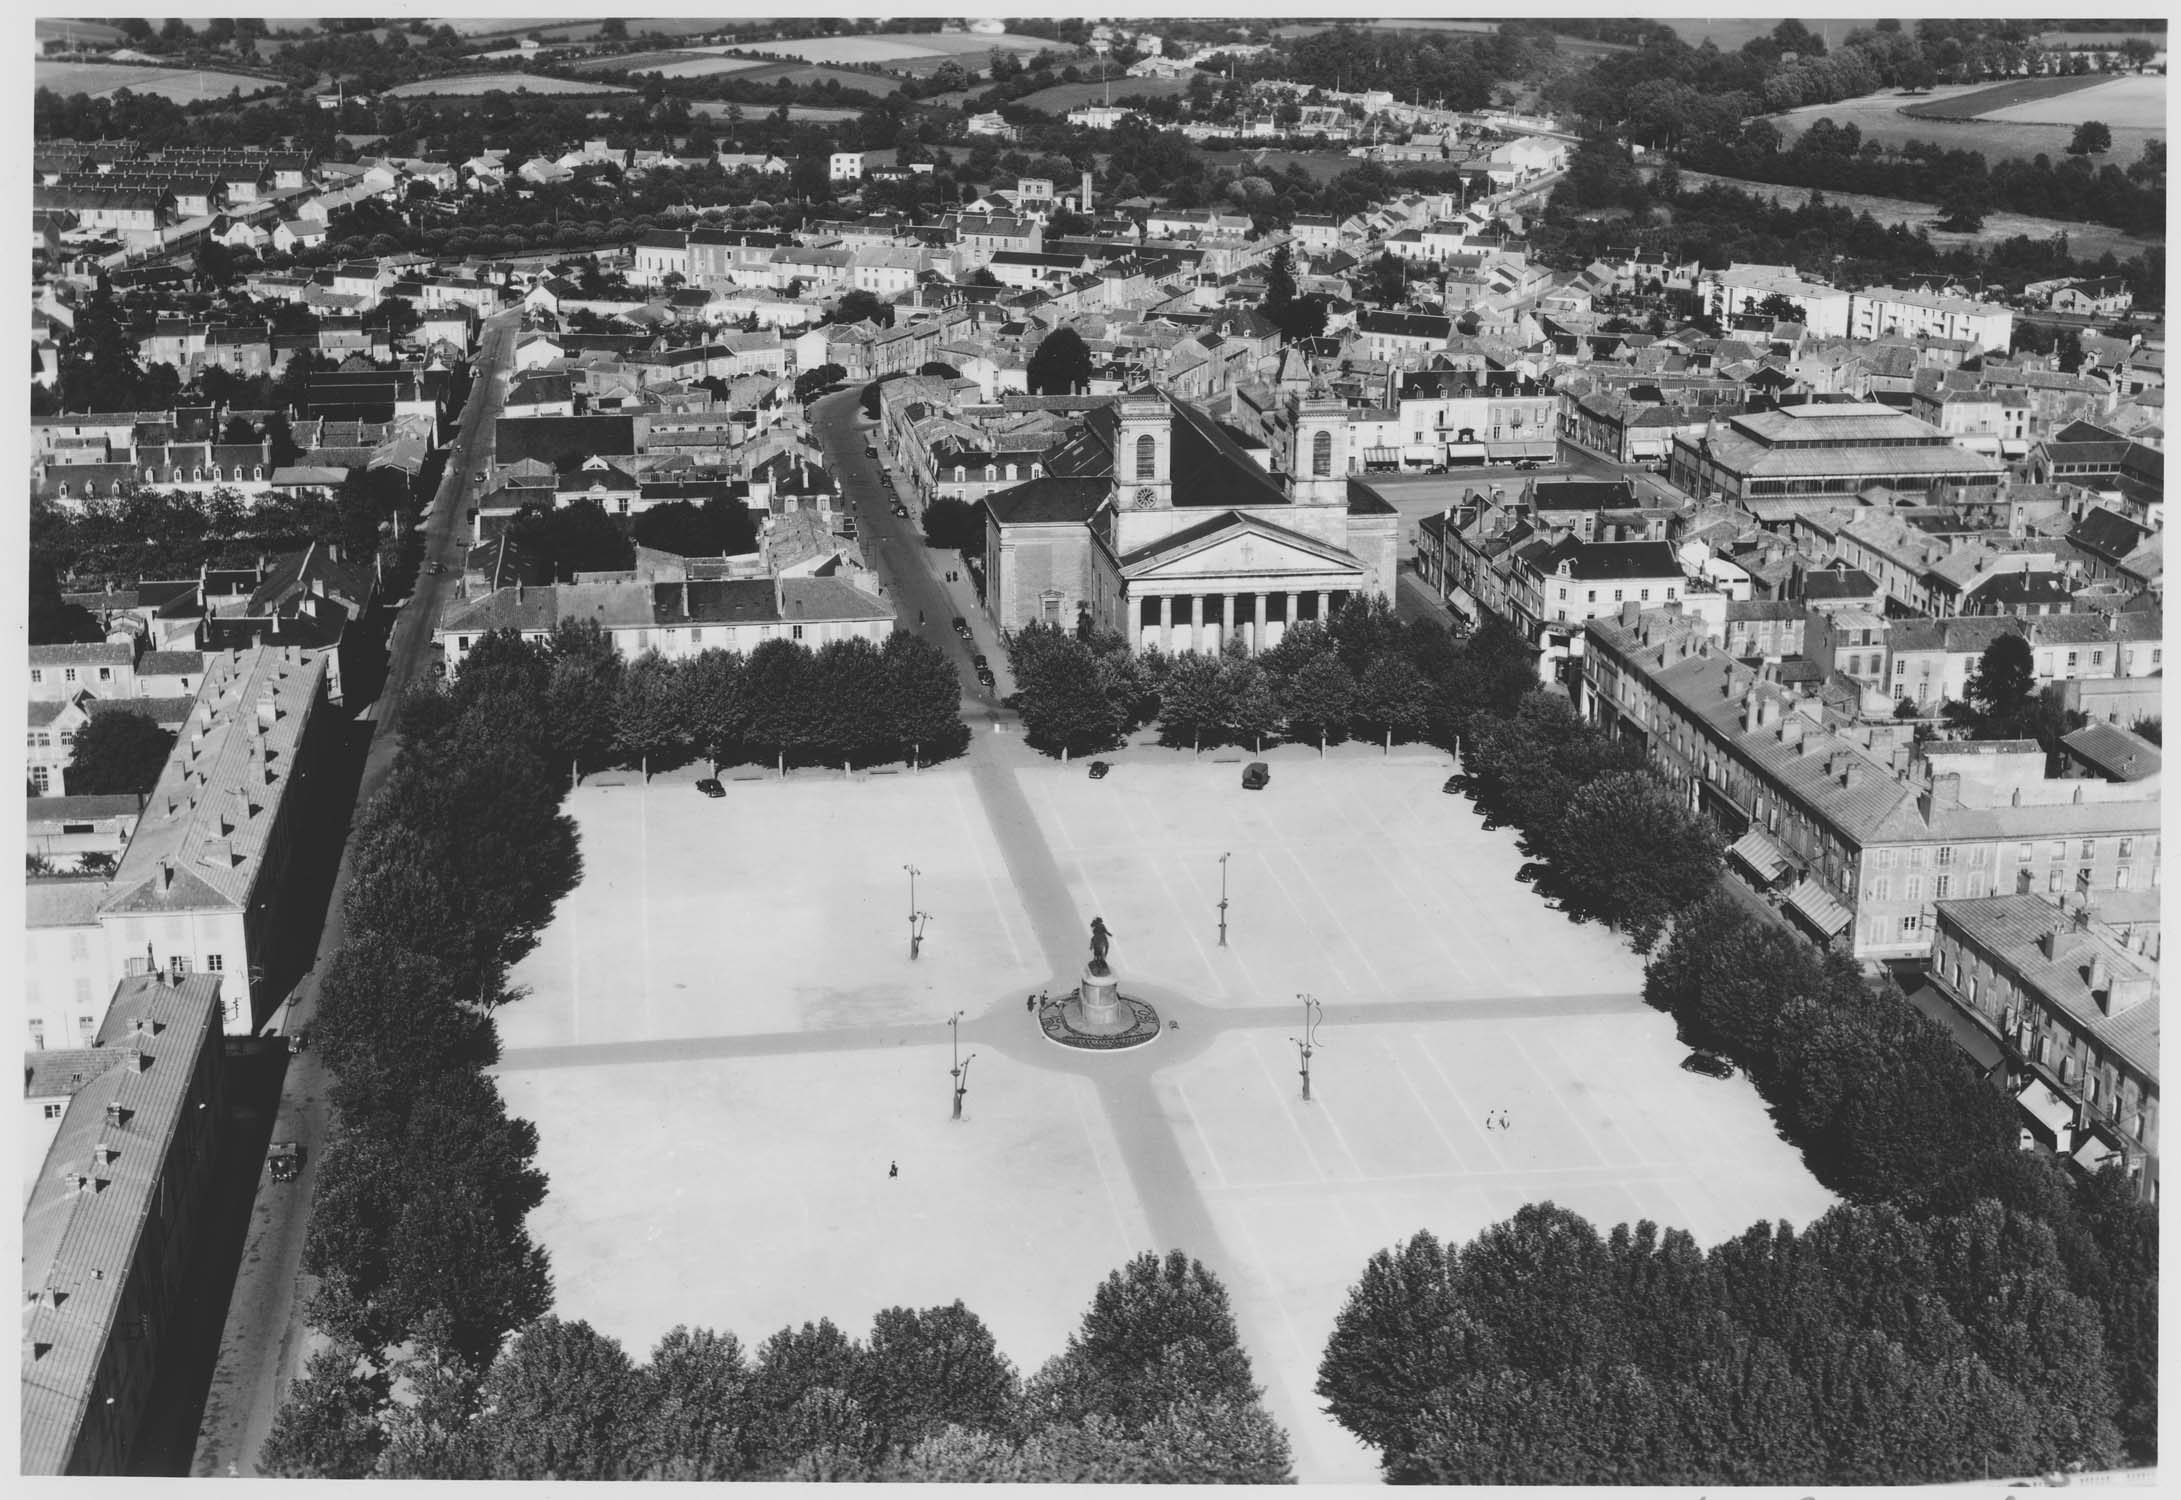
1153,1388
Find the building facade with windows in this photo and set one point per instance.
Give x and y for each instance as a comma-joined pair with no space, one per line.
204,886
2073,1005
1857,830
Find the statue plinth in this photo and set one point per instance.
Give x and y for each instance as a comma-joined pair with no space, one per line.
1101,994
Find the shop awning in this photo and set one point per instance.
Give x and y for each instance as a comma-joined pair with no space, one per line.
1761,855
1818,908
1979,1045
1382,455
2013,448
1465,450
1505,452
2053,1114
2096,1151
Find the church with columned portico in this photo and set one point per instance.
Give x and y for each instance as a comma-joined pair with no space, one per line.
1155,523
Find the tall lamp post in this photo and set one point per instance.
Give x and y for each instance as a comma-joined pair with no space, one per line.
1223,898
960,1071
1313,1013
913,934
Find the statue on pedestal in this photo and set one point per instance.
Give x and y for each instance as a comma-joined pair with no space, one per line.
1100,940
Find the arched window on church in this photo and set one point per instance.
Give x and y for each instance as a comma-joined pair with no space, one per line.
1147,457
1321,455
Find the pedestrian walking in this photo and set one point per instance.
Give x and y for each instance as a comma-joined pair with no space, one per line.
1490,1120
893,1169
1029,1002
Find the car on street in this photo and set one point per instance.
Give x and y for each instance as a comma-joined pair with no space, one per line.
1529,872
1255,776
1710,1064
438,567
480,476
711,788
1528,464
979,660
984,677
1455,785
1098,770
285,1159
961,627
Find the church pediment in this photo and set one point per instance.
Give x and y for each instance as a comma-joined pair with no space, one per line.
1236,547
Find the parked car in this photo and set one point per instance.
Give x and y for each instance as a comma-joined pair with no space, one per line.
1098,770
984,677
1529,872
961,627
1710,1064
1255,775
1529,463
480,476
711,788
870,450
439,567
1455,785
285,1159
979,661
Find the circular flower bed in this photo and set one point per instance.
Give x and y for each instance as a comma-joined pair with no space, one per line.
1064,1023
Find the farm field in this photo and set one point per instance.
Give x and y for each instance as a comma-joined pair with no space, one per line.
2085,241
473,85
1323,166
897,49
2000,96
812,113
1879,118
1062,97
807,75
2139,101
183,85
81,31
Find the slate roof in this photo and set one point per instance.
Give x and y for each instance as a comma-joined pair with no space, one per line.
717,601
557,440
1048,501
2115,753
79,1242
205,824
1209,469
828,599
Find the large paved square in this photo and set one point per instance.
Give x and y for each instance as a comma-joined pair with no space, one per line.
1354,879
725,1044
780,907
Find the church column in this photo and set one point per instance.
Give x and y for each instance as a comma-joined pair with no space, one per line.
1226,620
1196,622
1324,611
1166,623
1294,604
1257,640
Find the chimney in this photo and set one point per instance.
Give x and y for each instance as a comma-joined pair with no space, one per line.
2049,943
1767,711
1851,775
1629,612
1791,728
2125,994
518,591
1751,708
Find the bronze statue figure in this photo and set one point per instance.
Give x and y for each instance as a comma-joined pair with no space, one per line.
1101,940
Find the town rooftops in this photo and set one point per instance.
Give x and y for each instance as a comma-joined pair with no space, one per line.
1048,501
2115,753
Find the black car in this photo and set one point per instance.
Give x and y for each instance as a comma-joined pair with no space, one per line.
870,450
1098,770
1710,1064
1528,463
1529,872
979,661
961,627
711,788
984,677
1255,775
1456,785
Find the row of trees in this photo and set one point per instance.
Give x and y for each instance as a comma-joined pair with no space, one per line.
417,1234
1886,1110
1873,1347
1153,1388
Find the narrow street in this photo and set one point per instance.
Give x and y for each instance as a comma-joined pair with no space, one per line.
263,1346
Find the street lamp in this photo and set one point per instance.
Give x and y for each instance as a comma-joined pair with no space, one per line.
913,873
1313,1013
1223,898
960,1071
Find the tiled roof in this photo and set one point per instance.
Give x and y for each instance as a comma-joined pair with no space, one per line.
95,654
170,663
828,599
94,1195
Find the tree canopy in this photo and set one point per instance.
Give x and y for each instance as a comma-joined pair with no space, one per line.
118,752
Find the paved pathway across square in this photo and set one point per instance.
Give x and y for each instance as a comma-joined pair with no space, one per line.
726,1043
